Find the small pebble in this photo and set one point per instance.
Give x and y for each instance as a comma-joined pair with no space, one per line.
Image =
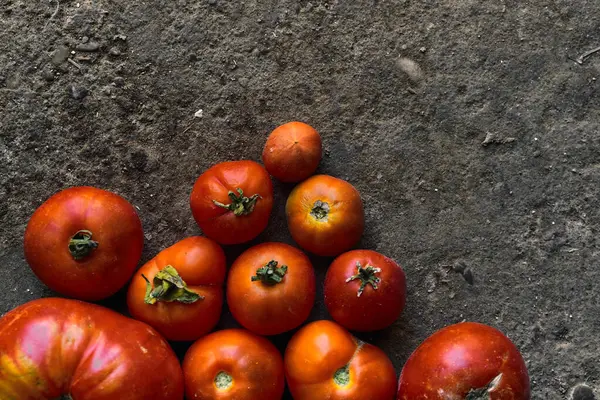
91,46
78,93
114,51
48,75
119,81
85,39
60,55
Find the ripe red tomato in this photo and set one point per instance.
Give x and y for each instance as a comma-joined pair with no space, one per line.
182,297
233,364
271,288
292,152
325,215
232,201
84,242
56,347
465,361
365,290
324,361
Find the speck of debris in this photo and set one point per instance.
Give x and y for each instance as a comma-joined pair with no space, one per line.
88,47
491,138
60,55
78,93
119,81
410,68
114,51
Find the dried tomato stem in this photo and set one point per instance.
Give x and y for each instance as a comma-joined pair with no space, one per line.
169,287
367,276
270,274
240,204
320,210
341,377
81,244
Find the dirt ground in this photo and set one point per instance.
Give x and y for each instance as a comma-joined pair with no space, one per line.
470,127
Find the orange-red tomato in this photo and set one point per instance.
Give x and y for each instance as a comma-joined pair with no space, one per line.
233,364
182,297
324,361
325,215
365,290
232,201
463,361
56,348
292,152
271,288
84,242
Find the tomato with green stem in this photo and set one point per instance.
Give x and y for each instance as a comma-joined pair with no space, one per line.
468,360
271,288
324,361
84,242
180,291
232,201
365,290
233,364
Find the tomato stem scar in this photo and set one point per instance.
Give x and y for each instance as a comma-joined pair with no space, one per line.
168,286
320,210
223,380
270,274
240,204
484,392
81,244
341,377
367,276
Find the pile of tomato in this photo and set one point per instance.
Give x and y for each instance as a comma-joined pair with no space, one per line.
85,243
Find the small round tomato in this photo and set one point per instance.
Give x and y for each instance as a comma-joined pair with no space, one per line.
365,290
232,201
324,361
233,364
467,360
292,152
271,288
84,242
325,215
180,291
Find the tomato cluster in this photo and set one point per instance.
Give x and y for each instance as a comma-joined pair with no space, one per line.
85,243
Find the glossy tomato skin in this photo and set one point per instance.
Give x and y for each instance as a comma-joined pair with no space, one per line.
270,309
113,224
464,357
383,296
233,364
217,184
201,264
292,152
325,215
319,351
52,347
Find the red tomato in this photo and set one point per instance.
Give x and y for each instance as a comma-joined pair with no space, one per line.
232,201
183,296
271,288
465,361
84,242
56,347
365,290
324,361
292,152
233,364
325,215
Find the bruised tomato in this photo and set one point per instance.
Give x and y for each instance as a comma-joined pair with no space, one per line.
84,242
365,290
233,364
292,152
325,215
54,348
324,361
467,360
232,201
271,288
180,291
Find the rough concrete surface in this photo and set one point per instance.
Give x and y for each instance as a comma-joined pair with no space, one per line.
469,127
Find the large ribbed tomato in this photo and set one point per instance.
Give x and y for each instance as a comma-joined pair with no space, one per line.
365,290
233,364
325,215
271,288
84,242
467,360
180,291
56,348
232,201
324,361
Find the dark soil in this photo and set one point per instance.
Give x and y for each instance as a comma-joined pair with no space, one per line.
469,129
